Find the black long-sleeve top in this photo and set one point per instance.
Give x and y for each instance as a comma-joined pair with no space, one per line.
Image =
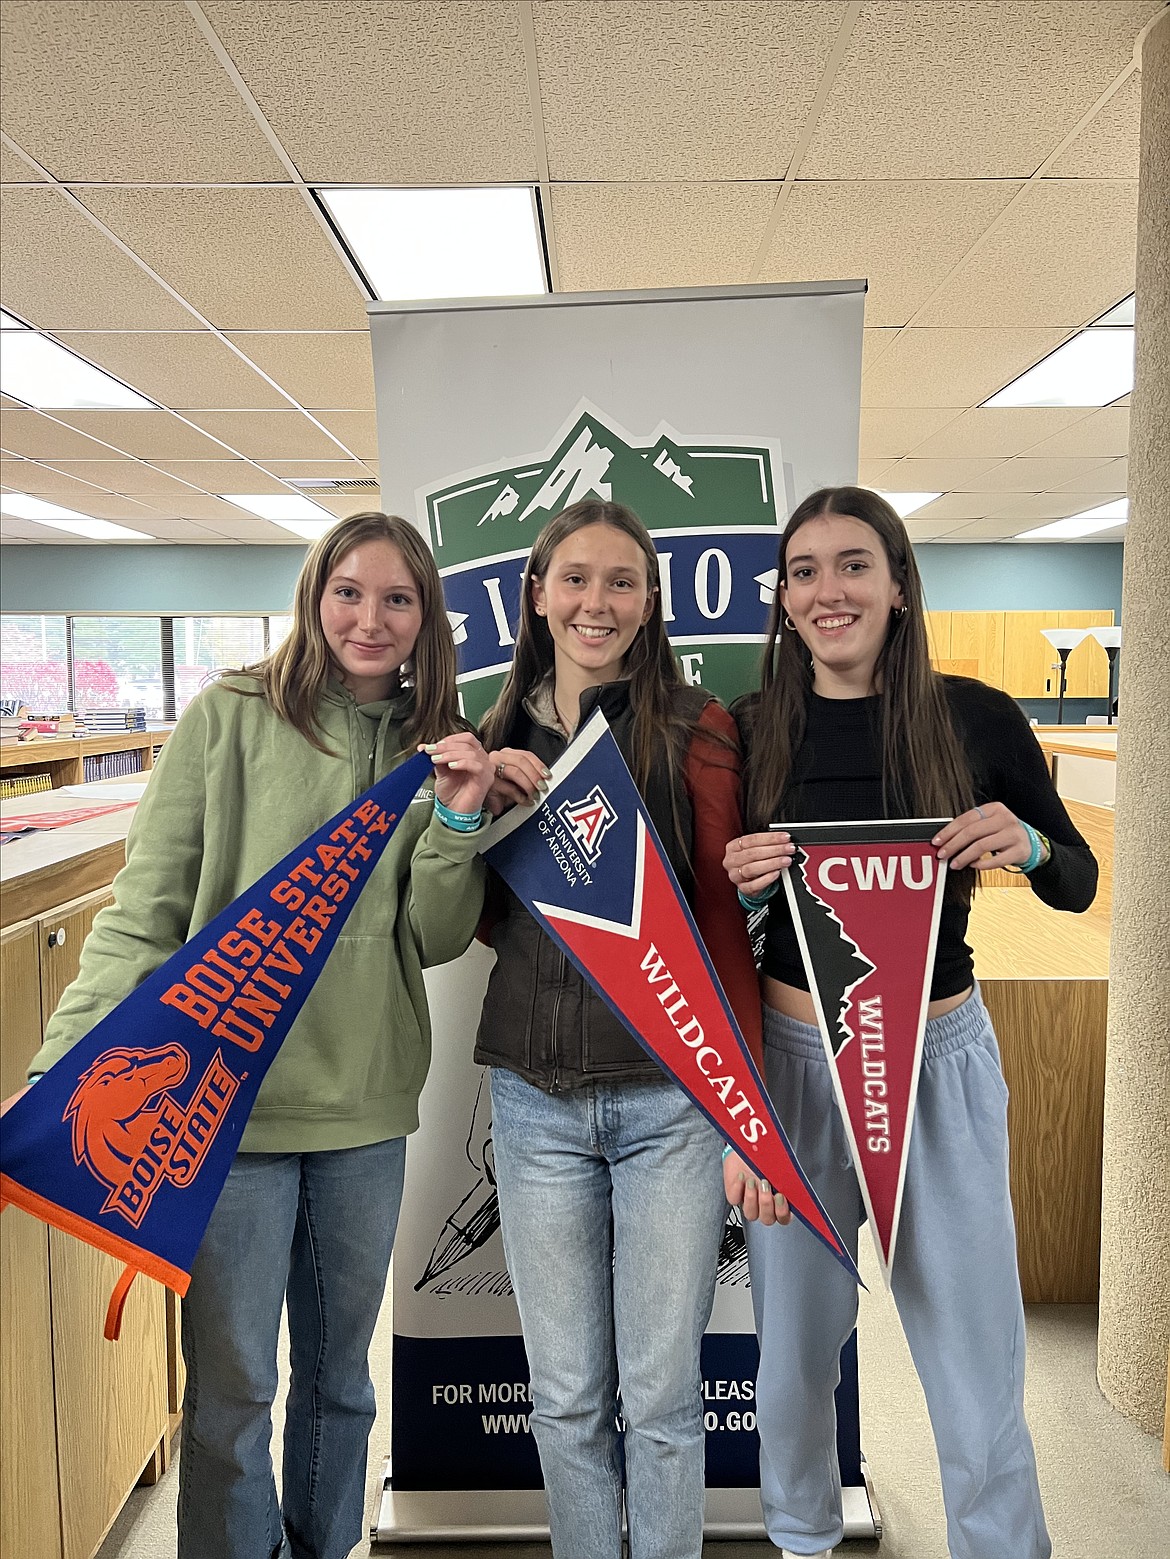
836,777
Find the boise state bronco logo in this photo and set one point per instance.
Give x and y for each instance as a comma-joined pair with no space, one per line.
589,821
133,1135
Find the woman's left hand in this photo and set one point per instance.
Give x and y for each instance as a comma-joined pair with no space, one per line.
987,838
463,771
753,1196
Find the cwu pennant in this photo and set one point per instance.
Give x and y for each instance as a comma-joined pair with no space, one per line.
587,863
127,1140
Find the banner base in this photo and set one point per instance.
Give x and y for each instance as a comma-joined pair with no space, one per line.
519,1515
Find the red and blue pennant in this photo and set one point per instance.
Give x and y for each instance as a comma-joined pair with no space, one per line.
588,864
126,1142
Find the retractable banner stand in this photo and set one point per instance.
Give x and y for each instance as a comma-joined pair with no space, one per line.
866,900
710,413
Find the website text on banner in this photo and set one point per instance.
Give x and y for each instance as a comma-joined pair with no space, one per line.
587,863
127,1141
866,900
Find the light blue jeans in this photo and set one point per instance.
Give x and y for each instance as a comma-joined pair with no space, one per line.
317,1229
612,1209
955,1284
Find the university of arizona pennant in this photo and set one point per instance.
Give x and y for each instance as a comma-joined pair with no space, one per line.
587,863
865,900
127,1140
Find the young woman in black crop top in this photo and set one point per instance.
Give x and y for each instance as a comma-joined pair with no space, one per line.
851,722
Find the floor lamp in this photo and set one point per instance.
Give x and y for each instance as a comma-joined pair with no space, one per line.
1063,641
1110,641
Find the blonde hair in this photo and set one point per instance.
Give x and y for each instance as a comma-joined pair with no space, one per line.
293,677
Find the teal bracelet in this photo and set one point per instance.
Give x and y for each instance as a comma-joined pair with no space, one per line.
461,822
1036,845
728,1150
758,900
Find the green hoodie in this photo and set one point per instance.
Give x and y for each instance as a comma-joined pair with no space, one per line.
235,789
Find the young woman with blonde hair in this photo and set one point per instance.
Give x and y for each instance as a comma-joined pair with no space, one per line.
260,759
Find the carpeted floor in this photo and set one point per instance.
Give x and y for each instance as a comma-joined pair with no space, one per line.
1105,1494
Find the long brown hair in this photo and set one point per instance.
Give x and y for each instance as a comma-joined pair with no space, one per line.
293,677
660,733
925,772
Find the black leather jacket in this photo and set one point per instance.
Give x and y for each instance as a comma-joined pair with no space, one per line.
541,1019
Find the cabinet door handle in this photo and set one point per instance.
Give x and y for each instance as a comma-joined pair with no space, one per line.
57,938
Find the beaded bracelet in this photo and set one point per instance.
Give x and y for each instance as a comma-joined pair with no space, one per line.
461,822
757,901
1039,849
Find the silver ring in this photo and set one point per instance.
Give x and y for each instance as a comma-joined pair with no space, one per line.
980,810
500,767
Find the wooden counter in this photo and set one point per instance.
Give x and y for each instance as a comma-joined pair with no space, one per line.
63,757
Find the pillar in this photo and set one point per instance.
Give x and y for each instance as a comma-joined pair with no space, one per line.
1134,1326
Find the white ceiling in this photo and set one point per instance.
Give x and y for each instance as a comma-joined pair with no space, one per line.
976,161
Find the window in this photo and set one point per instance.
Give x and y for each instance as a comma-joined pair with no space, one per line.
207,644
117,661
33,662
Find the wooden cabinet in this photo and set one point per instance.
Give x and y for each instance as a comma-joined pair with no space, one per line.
1088,664
979,636
80,1417
1008,650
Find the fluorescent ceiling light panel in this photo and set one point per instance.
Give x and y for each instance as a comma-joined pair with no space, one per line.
24,507
97,530
443,243
1120,314
280,507
1106,516
42,373
8,323
1092,369
310,530
908,503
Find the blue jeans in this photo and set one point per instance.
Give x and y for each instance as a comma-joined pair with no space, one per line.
954,1282
612,1209
315,1229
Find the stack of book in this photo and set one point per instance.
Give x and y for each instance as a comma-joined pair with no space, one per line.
61,723
115,719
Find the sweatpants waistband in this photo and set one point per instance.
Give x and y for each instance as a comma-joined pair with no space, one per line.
967,1024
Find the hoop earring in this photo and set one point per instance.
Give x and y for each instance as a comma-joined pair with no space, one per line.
900,611
789,624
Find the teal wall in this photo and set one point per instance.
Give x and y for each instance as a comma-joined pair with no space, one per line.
210,580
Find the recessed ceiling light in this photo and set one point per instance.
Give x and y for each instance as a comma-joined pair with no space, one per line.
280,507
43,373
1092,369
1106,516
8,323
908,503
25,507
1120,314
310,530
97,530
443,243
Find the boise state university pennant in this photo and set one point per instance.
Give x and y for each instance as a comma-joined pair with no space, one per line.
587,863
866,899
126,1142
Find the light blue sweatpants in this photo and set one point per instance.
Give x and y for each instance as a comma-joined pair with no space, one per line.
955,1283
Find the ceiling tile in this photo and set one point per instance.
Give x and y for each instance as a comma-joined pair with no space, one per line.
1062,255
20,530
1107,148
999,431
176,530
955,508
939,476
7,401
116,506
981,90
13,170
1038,507
334,470
269,435
27,476
357,430
322,372
145,75
130,478
872,473
1104,432
905,237
222,476
1027,475
254,259
920,530
1089,476
952,367
887,432
59,272
673,235
387,94
150,435
678,91
874,342
194,506
41,438
246,527
989,529
188,372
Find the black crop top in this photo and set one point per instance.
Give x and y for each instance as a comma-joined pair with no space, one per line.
836,777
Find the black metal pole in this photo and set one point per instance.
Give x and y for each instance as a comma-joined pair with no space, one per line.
1064,654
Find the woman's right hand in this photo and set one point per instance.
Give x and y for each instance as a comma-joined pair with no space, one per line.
12,1098
754,1197
519,776
754,861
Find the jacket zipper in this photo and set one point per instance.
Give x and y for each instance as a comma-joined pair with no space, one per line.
562,963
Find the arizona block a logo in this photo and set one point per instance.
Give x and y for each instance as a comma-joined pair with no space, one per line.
589,821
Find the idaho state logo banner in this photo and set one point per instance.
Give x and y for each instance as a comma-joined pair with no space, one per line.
127,1140
866,899
587,863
